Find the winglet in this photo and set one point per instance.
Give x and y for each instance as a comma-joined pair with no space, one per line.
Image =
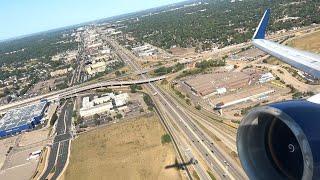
261,30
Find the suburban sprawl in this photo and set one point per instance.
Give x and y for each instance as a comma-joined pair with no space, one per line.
157,94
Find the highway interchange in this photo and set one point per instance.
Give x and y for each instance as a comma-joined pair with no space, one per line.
72,91
214,158
183,124
191,139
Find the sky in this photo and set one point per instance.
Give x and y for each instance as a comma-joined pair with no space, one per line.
22,17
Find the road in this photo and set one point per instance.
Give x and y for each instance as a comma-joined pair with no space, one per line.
213,157
182,144
212,123
60,147
56,95
289,79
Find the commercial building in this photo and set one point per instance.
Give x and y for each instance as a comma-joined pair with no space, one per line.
106,103
60,72
251,93
96,67
266,77
221,82
22,119
145,50
106,50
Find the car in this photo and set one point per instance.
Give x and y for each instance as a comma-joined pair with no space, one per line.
195,161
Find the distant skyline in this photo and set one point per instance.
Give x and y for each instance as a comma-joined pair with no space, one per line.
19,18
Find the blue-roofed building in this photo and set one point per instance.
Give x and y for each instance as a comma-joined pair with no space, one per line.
22,119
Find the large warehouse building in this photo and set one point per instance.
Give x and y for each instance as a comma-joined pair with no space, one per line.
205,84
22,119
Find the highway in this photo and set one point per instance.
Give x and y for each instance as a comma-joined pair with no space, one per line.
213,157
56,95
200,135
60,147
177,143
182,144
219,129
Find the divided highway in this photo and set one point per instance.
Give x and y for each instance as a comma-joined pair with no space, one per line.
213,156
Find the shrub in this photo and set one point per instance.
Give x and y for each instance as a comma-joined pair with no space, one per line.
165,139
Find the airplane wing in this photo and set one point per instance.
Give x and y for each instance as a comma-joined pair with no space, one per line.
302,60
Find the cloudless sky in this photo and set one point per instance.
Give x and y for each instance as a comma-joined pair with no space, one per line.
22,17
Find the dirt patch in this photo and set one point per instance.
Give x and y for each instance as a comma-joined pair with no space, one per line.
34,137
21,172
309,42
128,150
18,167
181,51
5,144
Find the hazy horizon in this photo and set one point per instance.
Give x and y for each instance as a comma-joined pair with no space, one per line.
58,13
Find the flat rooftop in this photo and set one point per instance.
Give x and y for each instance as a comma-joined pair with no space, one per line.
243,93
21,116
205,84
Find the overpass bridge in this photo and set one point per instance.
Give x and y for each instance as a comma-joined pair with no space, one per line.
71,91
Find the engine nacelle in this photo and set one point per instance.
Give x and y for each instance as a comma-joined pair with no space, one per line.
281,141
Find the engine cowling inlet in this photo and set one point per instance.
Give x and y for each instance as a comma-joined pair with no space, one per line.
281,141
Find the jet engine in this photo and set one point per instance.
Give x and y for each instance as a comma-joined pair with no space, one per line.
281,141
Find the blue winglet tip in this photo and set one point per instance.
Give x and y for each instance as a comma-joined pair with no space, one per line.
261,30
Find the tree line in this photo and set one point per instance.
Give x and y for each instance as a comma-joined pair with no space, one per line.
219,23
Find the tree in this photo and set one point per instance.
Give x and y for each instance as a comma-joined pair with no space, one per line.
109,118
133,88
147,99
97,122
188,101
53,119
165,139
96,116
9,98
79,120
118,73
198,107
119,116
6,91
74,114
104,90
